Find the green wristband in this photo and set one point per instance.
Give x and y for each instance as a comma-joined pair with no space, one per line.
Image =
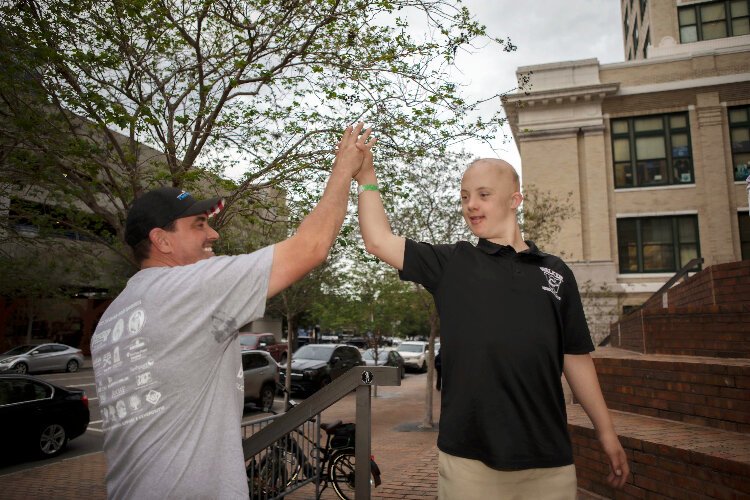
367,187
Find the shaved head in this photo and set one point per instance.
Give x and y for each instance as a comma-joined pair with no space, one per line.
502,167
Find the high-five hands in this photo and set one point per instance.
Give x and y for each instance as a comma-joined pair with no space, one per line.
353,148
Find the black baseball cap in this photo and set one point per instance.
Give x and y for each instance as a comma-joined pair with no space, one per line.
159,207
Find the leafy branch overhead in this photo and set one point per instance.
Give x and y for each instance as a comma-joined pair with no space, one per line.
105,99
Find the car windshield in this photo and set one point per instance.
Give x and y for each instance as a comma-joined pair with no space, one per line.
370,354
410,348
322,353
21,349
248,340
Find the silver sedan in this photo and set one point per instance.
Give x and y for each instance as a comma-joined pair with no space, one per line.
41,358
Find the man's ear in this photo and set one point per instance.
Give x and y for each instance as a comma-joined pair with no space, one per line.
159,240
515,200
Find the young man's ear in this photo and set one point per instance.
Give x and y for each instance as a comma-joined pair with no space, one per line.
515,200
159,240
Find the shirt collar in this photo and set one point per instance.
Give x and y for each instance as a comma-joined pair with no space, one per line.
494,249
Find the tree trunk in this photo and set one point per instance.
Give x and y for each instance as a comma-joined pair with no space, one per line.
7,308
427,421
290,340
375,352
30,317
89,313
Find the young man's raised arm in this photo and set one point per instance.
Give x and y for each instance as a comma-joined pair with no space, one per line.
373,222
296,256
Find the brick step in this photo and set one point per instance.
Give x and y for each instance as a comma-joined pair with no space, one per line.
715,331
667,459
704,391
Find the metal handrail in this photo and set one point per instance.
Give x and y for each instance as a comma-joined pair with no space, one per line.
361,378
690,266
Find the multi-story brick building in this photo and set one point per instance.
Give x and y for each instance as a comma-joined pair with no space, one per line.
655,150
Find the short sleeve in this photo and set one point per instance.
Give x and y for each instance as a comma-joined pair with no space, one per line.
424,263
576,335
233,289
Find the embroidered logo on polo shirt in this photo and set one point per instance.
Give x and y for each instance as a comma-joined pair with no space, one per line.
554,280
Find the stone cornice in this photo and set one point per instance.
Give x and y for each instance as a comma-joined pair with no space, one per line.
571,95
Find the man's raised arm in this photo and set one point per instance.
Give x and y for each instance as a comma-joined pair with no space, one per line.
296,256
373,222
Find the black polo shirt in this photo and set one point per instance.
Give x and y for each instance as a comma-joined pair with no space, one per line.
506,319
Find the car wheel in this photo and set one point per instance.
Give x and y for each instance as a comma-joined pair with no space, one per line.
325,382
423,369
72,366
267,394
52,440
22,368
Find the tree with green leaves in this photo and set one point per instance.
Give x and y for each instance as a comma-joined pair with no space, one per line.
103,100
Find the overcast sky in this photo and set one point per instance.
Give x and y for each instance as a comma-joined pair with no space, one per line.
544,31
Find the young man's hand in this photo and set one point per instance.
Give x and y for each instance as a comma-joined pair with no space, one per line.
352,148
618,461
366,174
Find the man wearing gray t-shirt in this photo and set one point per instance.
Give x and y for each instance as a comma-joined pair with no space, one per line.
165,353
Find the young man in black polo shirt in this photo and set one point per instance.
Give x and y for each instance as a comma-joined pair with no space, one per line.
511,322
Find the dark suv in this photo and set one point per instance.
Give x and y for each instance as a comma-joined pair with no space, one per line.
264,342
316,365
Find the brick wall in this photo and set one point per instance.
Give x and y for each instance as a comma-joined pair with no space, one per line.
714,331
628,332
702,393
708,315
720,284
658,471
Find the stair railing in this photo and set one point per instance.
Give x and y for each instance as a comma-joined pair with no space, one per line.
359,378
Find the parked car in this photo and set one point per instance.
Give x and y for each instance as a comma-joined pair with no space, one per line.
41,358
316,365
261,374
264,342
38,417
414,353
386,357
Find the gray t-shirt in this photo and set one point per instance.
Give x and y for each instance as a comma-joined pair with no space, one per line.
169,377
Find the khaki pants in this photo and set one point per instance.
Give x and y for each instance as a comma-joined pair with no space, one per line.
465,479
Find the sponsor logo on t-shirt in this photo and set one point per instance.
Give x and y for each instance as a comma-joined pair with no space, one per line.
554,280
136,321
153,396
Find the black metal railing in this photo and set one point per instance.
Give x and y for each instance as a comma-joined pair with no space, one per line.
263,435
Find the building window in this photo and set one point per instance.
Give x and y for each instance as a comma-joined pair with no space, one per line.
657,244
646,43
708,21
744,223
635,39
643,9
739,136
652,151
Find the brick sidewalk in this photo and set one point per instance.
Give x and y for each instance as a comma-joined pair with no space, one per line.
407,460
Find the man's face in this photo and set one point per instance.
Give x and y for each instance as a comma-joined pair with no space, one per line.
192,240
487,200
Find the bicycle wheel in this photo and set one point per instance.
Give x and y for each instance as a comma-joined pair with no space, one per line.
341,474
275,471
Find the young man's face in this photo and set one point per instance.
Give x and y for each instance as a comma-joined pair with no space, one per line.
192,240
487,199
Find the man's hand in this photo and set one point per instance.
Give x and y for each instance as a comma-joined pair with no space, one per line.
352,148
366,174
618,461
